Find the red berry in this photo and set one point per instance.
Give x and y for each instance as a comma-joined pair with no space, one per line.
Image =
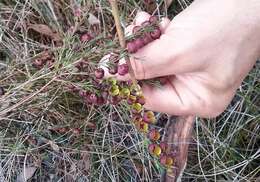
113,69
131,48
147,38
153,19
139,43
99,73
123,69
141,100
156,33
164,146
85,37
154,135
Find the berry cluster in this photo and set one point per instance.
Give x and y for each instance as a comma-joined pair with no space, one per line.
144,34
111,91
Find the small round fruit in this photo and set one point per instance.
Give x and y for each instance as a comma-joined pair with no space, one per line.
139,43
143,127
105,94
140,100
131,99
85,37
164,146
112,81
154,135
137,108
149,117
154,149
131,48
135,89
125,93
123,69
99,73
147,38
153,19
115,100
166,160
156,33
114,90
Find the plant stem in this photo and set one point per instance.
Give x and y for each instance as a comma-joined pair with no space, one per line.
121,37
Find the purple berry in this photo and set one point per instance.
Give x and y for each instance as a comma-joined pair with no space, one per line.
99,73
153,19
147,38
139,43
123,69
100,101
115,100
156,33
131,48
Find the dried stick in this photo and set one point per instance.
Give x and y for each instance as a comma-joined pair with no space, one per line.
121,36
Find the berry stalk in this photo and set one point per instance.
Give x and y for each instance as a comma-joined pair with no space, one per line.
121,36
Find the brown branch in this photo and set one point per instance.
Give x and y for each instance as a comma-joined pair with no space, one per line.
121,36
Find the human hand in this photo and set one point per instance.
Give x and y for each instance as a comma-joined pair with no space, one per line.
205,52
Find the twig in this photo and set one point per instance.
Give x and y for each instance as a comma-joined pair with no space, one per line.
121,37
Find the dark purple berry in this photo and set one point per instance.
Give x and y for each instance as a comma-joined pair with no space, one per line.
113,69
139,43
99,73
147,38
131,48
140,100
123,69
153,19
156,33
2,91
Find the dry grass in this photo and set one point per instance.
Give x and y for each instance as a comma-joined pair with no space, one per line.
37,104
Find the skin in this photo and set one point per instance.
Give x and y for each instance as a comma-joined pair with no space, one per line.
205,52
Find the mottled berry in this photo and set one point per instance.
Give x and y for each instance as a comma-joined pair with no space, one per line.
137,108
140,100
131,47
149,117
143,127
164,146
114,90
166,160
99,73
154,135
123,69
154,149
125,92
156,33
131,99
